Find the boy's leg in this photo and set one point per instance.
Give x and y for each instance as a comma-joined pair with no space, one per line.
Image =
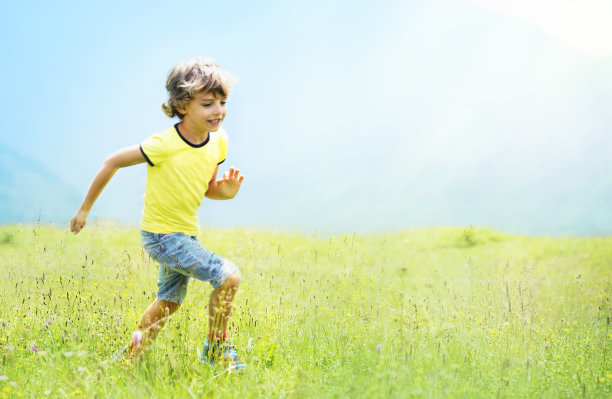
220,307
153,320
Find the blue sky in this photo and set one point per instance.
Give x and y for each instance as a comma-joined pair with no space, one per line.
349,116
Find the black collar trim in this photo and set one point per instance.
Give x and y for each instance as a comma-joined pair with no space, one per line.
191,144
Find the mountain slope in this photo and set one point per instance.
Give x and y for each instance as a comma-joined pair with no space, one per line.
29,193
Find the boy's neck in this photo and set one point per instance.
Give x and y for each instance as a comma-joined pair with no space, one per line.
191,134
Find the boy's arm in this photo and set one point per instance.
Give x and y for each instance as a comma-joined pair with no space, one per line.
225,188
126,157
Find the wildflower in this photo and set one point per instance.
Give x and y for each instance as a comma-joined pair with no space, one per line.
49,320
34,348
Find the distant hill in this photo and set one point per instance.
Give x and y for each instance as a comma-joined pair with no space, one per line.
29,192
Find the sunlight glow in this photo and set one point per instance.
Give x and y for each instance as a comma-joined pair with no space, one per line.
584,25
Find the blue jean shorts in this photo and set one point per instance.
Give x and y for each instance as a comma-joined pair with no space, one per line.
180,258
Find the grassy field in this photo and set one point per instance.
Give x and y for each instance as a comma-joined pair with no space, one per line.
444,312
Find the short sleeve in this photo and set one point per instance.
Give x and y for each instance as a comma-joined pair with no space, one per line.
154,150
223,144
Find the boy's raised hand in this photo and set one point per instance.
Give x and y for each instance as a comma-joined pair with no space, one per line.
78,221
229,185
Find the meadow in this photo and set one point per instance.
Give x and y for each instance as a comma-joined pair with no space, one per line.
431,313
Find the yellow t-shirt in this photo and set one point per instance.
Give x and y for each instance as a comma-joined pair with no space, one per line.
178,173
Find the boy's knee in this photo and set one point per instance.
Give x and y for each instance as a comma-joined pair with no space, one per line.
234,280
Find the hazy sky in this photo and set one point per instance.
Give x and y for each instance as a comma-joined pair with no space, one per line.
348,115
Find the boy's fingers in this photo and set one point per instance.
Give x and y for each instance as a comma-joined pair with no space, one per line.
241,179
77,225
237,173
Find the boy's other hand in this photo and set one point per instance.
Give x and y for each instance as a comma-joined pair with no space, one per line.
79,220
230,183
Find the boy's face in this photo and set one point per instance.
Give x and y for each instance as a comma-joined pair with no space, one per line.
205,111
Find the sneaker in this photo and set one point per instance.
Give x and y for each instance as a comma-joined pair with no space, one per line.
125,354
225,353
119,355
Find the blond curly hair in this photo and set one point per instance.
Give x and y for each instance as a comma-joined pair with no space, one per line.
195,75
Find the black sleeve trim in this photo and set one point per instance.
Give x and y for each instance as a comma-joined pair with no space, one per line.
145,155
221,162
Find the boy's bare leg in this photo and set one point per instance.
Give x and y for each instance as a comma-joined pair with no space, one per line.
153,320
220,307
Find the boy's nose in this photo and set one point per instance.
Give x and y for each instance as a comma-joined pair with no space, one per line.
219,110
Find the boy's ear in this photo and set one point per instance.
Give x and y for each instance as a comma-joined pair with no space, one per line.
182,109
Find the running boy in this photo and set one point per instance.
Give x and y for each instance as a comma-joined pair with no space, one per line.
182,170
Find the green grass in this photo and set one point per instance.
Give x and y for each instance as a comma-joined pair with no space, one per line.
444,312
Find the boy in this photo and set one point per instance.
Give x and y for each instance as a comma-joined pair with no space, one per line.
182,169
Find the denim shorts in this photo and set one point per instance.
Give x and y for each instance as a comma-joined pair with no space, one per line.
180,258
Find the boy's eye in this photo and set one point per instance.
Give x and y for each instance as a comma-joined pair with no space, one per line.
209,104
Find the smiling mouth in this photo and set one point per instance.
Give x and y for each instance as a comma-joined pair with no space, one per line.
214,121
